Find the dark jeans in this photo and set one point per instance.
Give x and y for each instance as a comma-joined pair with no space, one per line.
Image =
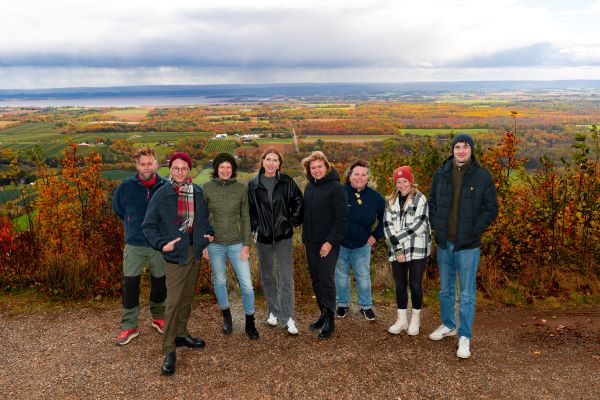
409,273
322,273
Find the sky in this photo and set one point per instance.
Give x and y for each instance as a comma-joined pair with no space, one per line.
65,43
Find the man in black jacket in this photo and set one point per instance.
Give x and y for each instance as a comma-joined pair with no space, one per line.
462,204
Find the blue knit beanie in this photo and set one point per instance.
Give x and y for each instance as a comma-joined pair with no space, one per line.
463,137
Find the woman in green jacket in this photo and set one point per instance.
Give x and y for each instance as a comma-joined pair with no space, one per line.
228,213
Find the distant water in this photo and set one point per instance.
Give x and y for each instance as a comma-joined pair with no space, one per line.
116,101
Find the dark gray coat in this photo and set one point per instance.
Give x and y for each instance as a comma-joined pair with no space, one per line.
160,225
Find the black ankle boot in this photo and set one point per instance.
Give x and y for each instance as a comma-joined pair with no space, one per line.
227,323
168,367
318,324
251,328
329,325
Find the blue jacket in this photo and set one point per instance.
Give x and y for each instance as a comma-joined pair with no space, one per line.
160,225
130,203
362,217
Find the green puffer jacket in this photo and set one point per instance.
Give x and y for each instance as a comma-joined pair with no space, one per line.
228,211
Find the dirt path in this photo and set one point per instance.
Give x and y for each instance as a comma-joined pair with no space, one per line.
516,354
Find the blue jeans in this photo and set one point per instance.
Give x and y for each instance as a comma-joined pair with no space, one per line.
218,254
360,259
464,263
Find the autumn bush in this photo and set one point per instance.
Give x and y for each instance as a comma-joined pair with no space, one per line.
74,248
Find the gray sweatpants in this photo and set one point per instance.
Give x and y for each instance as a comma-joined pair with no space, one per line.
277,277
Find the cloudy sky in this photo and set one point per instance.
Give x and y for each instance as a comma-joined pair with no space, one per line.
65,43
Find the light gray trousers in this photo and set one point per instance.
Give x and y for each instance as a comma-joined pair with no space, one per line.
277,277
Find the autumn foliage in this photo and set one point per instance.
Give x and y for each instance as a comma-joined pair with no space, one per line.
74,247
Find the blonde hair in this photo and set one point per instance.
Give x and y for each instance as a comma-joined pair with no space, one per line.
394,195
143,151
315,156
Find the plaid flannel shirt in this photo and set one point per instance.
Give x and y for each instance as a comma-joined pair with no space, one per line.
407,231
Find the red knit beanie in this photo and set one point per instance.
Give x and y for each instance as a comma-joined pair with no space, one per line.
180,155
404,172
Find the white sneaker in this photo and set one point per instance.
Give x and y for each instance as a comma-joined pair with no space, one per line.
463,347
441,332
291,327
272,320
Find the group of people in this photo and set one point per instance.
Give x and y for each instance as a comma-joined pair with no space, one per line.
170,224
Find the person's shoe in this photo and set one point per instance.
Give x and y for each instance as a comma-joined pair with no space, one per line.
464,350
126,336
369,314
168,367
291,327
251,328
415,322
317,325
329,325
341,312
159,324
400,324
227,322
272,320
441,332
189,341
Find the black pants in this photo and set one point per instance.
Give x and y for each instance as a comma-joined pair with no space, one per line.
322,273
409,273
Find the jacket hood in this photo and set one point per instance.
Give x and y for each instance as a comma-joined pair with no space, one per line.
331,176
223,182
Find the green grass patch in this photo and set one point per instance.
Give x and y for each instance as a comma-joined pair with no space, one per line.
202,177
117,174
10,193
442,131
22,223
274,141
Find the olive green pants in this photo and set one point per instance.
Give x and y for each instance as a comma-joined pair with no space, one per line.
135,259
181,281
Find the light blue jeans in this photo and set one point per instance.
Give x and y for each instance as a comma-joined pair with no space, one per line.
360,259
465,264
218,254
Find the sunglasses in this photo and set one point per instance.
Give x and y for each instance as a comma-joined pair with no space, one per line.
358,199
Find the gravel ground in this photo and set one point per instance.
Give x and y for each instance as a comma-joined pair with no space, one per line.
516,353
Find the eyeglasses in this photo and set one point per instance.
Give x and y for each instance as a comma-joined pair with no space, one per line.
358,199
180,170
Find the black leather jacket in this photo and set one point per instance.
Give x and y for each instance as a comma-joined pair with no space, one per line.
274,222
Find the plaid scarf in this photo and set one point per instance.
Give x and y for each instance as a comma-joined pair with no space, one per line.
185,204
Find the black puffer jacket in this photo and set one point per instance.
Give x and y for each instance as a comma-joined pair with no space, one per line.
478,204
325,210
274,222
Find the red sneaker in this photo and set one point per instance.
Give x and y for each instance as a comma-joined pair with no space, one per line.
159,324
126,336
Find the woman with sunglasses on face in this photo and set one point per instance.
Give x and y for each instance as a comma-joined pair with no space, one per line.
324,227
227,201
408,235
275,209
365,207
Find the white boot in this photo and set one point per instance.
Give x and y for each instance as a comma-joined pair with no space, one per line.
415,321
400,324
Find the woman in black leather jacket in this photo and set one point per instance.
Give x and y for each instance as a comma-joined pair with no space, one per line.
275,208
